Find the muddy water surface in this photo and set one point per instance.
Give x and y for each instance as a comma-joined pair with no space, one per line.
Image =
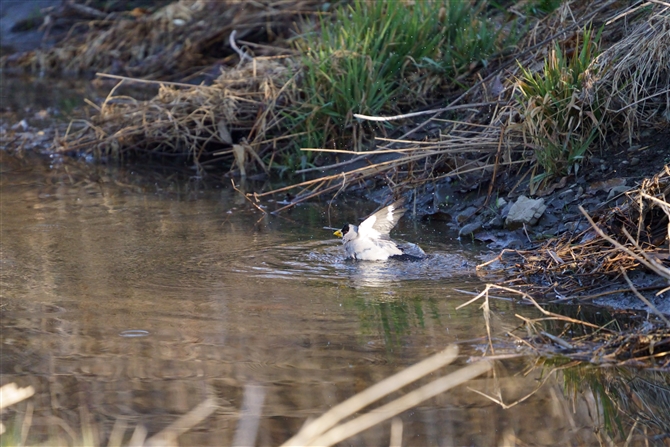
136,300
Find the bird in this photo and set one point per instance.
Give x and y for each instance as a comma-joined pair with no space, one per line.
370,240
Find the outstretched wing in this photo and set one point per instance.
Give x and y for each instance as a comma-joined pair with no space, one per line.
380,224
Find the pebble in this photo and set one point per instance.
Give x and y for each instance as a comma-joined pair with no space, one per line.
470,228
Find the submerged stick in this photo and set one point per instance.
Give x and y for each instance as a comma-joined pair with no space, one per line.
11,394
246,196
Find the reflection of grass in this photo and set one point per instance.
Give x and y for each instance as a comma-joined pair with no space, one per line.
395,322
577,379
68,106
625,397
396,319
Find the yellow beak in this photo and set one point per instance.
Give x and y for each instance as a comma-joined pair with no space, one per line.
338,233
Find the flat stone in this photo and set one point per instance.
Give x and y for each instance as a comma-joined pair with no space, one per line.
525,211
469,229
549,222
465,214
615,191
496,222
606,185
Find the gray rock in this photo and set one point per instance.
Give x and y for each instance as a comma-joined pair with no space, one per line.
465,214
525,211
568,195
505,211
615,191
469,229
557,204
496,222
549,222
577,226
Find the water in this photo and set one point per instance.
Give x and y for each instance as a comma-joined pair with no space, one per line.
136,300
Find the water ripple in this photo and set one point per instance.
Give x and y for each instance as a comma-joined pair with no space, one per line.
325,260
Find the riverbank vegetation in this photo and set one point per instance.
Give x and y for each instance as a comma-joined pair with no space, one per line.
309,103
489,91
334,96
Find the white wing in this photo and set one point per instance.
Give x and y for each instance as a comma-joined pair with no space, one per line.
380,224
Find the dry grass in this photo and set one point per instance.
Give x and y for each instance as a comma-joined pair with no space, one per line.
636,70
574,100
499,123
631,237
191,121
457,153
175,41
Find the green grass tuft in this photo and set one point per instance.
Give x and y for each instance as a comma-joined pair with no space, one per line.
383,58
561,121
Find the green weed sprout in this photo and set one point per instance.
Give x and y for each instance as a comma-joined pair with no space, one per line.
560,120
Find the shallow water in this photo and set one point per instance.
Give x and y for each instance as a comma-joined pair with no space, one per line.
137,300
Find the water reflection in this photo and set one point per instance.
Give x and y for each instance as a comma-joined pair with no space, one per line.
141,301
631,404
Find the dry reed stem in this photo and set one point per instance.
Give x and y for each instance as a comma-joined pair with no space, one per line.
424,112
250,416
401,404
11,394
361,400
405,403
644,299
183,424
117,433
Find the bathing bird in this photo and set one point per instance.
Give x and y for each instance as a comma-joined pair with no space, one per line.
370,240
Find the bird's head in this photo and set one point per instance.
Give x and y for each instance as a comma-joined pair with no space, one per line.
343,231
